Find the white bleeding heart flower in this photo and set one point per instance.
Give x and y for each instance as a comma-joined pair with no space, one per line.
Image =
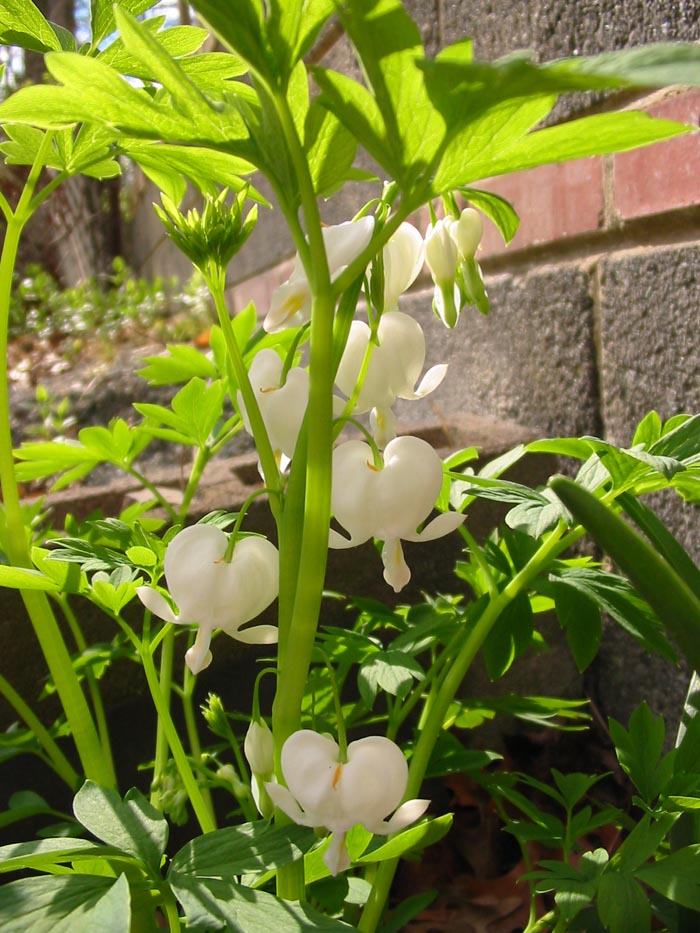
442,258
259,748
211,592
291,302
467,231
403,257
323,791
282,406
393,370
389,502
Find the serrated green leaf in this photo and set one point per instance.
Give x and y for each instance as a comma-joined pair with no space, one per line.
676,605
588,136
102,15
181,363
639,751
622,904
676,876
64,904
244,34
21,23
176,41
132,825
580,618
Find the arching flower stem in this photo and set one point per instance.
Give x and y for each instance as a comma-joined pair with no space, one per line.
228,556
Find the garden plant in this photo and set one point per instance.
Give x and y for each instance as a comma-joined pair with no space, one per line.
326,785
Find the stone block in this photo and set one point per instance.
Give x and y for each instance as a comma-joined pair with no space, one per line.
532,360
649,337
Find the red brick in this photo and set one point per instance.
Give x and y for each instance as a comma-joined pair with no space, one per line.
259,288
664,176
553,201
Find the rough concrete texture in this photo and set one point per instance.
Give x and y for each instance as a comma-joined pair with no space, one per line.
650,346
531,360
650,342
556,28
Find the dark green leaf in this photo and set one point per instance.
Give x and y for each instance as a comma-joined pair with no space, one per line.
580,617
509,638
622,904
677,876
675,603
132,825
639,752
65,904
413,839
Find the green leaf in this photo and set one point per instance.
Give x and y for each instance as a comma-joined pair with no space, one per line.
509,637
102,15
411,840
391,671
177,41
643,842
676,605
244,33
21,578
622,904
132,825
639,752
330,149
580,618
497,209
180,363
39,853
388,45
65,904
614,595
588,136
251,847
195,410
21,23
357,110
676,877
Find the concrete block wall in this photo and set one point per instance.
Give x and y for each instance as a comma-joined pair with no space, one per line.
595,303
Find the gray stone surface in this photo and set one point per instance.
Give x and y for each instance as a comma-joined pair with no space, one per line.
531,360
556,28
649,348
650,340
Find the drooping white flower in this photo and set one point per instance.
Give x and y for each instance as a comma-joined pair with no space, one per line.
259,748
291,302
393,370
323,791
282,407
213,593
389,502
403,258
442,257
450,248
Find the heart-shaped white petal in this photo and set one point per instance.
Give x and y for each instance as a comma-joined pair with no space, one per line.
282,407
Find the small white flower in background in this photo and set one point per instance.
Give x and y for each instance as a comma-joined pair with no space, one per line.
213,593
259,748
388,503
291,302
450,248
282,407
467,231
323,791
442,257
403,258
393,370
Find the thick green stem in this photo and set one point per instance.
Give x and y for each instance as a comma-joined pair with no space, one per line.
95,762
454,676
63,768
